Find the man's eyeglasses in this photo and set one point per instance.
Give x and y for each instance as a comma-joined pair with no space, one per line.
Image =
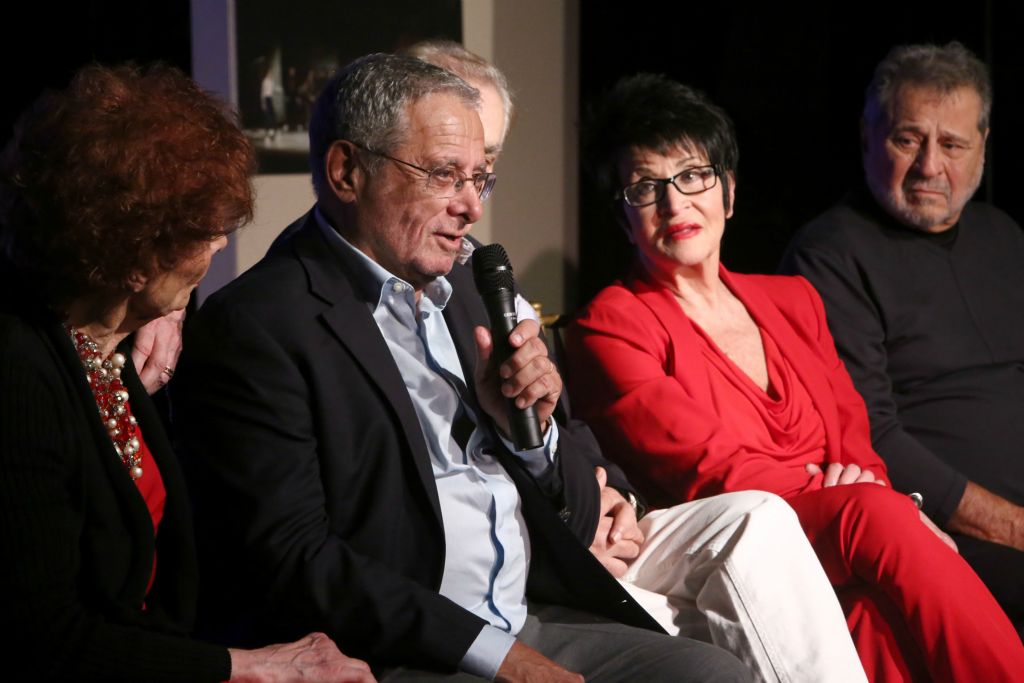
688,181
446,181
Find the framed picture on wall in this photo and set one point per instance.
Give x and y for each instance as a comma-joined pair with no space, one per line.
284,52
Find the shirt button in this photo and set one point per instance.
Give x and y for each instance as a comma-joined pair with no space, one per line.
397,287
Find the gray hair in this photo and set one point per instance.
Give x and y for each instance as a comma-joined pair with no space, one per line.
366,103
943,68
468,66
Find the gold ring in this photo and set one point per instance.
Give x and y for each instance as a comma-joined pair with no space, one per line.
169,372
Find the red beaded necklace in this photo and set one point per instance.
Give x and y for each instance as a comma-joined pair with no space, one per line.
104,375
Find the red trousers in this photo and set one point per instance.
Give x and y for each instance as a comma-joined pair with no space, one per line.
915,608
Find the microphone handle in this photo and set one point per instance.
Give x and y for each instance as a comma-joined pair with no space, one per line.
523,423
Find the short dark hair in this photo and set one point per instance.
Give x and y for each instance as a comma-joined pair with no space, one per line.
653,111
127,169
365,102
944,68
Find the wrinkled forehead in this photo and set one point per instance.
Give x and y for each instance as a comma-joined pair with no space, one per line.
440,121
911,101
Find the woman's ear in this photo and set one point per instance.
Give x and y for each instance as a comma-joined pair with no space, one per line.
732,194
344,174
137,280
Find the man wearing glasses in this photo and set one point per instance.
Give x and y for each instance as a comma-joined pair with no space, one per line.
345,434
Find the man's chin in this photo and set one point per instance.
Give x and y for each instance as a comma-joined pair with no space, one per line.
924,216
439,268
447,262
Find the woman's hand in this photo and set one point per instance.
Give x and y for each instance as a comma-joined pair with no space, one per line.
156,350
313,659
838,475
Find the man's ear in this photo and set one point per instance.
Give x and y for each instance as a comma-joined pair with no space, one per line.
344,174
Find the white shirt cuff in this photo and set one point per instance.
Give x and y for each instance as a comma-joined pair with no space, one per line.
485,655
538,460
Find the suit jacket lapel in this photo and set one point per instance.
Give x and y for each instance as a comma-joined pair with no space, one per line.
349,318
175,544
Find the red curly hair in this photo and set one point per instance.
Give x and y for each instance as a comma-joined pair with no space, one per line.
127,170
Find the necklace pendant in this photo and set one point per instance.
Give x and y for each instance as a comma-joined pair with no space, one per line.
136,472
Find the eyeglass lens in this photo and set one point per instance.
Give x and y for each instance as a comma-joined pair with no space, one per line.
689,181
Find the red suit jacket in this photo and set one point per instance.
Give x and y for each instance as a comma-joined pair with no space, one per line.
639,378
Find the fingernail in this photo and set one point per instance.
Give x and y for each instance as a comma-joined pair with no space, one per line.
516,339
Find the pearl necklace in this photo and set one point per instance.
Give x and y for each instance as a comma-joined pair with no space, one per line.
104,375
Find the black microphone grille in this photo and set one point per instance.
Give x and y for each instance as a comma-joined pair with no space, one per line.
491,269
490,257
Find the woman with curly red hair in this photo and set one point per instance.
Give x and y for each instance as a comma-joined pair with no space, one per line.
114,196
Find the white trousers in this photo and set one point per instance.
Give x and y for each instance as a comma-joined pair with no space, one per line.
737,570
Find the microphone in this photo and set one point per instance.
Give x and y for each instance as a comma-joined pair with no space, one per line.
492,273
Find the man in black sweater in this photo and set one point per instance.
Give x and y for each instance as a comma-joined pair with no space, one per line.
924,291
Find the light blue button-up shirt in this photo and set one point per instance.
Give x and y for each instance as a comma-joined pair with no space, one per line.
487,552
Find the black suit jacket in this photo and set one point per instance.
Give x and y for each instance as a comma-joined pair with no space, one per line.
76,537
316,503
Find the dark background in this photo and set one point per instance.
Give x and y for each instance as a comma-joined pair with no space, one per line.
792,79
42,43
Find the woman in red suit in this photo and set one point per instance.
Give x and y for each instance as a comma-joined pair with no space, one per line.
704,381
